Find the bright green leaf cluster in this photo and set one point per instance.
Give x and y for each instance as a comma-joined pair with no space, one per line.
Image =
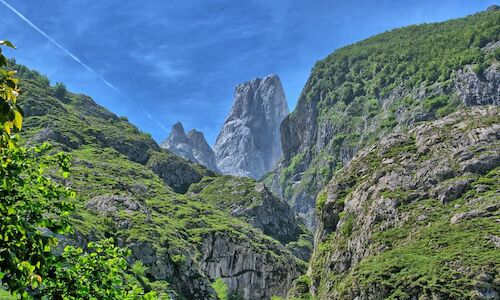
96,274
33,207
11,115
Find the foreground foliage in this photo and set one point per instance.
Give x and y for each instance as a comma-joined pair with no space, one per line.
34,208
30,201
97,273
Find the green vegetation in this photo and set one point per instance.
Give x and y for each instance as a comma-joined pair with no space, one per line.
429,256
30,201
111,159
98,274
292,167
227,192
383,84
432,248
321,200
221,289
35,207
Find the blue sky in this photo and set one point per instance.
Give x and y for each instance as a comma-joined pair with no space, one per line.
158,61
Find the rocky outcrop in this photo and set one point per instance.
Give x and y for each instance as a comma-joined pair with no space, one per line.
253,202
493,8
109,205
411,203
249,142
248,273
175,172
479,89
191,146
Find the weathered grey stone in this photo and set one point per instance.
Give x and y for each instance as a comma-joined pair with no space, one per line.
246,271
110,204
475,89
249,142
192,146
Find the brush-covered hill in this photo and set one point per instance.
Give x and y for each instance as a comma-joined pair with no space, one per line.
131,189
387,83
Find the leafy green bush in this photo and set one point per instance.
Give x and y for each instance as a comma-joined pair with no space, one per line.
11,115
96,274
321,200
30,201
435,102
60,91
221,289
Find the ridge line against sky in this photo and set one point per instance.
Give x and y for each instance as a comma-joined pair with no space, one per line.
76,59
159,62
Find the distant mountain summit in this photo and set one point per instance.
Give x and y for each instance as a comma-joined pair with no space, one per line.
191,146
249,142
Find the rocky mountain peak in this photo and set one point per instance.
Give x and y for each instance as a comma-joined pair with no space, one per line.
178,133
191,146
197,138
493,7
249,142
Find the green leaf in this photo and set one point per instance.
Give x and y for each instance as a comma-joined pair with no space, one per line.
18,120
7,43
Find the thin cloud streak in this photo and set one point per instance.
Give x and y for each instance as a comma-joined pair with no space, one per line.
66,51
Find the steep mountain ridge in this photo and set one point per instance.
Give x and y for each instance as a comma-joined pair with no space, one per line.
415,216
191,146
129,188
386,83
248,144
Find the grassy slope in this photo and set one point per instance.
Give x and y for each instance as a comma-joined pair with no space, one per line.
112,157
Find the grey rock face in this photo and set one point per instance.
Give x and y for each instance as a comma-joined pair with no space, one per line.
111,204
192,146
176,173
476,89
246,271
493,8
249,142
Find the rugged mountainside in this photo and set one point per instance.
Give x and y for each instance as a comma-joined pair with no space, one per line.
386,83
249,142
399,132
415,216
191,146
254,203
129,188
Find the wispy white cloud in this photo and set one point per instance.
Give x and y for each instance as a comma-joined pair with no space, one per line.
157,123
164,66
148,115
58,45
162,126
